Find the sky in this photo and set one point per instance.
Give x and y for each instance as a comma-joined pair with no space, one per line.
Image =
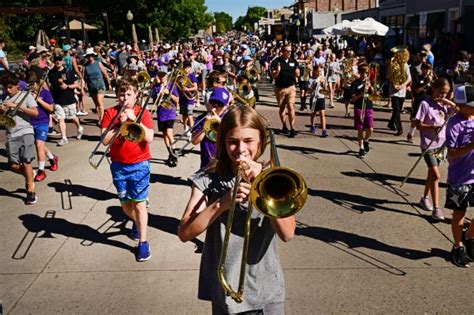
236,8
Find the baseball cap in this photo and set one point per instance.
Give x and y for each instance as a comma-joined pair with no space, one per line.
464,95
220,95
66,47
247,58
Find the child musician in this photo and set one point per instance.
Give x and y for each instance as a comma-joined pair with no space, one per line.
317,100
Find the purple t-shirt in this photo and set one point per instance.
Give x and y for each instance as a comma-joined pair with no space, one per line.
208,148
43,115
184,100
164,114
459,133
431,113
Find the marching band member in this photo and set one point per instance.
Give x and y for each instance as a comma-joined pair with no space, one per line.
333,77
131,162
431,115
40,125
317,100
363,109
306,68
241,140
20,140
420,87
350,73
217,103
166,116
460,192
186,105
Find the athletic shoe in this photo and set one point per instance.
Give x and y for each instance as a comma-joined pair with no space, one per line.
399,133
40,176
143,251
409,138
392,127
80,132
52,132
30,198
425,204
325,133
54,163
366,146
361,153
459,257
62,142
284,130
330,106
437,214
134,233
312,130
292,133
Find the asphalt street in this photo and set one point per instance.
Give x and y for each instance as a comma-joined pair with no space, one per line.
362,244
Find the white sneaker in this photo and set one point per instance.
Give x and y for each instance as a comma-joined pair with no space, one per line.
80,132
62,142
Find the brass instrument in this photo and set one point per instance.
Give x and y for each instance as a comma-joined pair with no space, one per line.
277,192
307,68
211,127
397,74
6,119
238,98
347,71
440,153
375,81
251,74
183,82
245,91
143,78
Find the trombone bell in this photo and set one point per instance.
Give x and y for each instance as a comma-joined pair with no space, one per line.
133,132
278,192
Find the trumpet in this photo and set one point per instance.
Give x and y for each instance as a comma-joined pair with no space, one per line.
277,192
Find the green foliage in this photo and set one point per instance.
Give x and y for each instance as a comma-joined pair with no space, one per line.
223,22
248,21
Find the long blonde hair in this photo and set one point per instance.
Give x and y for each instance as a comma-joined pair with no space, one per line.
237,117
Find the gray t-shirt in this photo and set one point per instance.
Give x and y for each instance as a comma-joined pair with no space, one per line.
264,283
23,125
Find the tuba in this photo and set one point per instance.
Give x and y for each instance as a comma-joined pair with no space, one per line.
347,70
400,58
376,82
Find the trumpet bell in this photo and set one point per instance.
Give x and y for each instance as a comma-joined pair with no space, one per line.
278,192
375,97
7,121
132,132
143,77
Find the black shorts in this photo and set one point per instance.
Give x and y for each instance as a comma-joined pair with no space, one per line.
165,124
459,198
347,95
303,85
317,105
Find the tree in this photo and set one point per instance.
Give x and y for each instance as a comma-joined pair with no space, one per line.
253,15
223,22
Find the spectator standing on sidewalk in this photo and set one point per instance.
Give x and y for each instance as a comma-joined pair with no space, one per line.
63,84
285,71
3,58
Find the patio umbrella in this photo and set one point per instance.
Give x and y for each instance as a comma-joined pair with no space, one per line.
337,29
42,39
369,26
75,25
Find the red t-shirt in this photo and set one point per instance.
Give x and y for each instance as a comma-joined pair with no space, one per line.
124,151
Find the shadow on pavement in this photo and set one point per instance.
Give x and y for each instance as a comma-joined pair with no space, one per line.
81,190
13,194
170,225
166,179
385,178
349,242
308,150
52,226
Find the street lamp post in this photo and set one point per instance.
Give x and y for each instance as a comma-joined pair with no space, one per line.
106,17
335,11
130,19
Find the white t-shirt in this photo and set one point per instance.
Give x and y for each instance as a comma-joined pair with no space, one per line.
5,61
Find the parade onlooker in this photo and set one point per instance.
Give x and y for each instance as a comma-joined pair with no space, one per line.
3,58
284,72
97,81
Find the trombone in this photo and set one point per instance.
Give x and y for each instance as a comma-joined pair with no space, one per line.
277,192
6,119
440,153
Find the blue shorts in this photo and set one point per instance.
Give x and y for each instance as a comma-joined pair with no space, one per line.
132,181
41,132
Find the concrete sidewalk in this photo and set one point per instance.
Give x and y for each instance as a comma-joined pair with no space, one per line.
362,244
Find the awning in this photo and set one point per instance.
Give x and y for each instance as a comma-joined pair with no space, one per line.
413,22
435,20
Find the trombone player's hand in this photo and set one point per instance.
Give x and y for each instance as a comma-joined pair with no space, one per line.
8,104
